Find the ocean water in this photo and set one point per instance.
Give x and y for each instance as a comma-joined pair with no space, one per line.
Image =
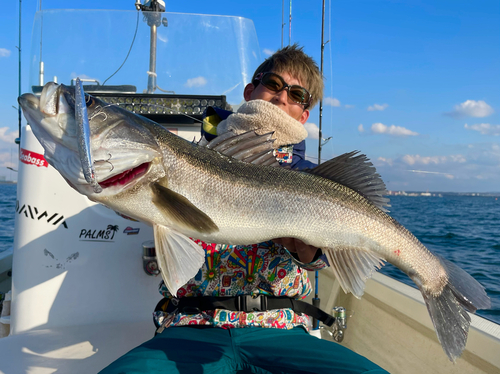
463,229
7,211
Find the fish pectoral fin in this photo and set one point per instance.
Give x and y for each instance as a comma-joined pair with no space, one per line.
352,267
179,209
248,147
179,258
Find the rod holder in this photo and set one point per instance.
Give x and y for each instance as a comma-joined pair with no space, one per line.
149,261
336,332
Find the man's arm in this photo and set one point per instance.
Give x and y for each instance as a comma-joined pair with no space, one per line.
305,253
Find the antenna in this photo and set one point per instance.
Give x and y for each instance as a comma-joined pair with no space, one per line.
282,20
41,71
151,10
290,25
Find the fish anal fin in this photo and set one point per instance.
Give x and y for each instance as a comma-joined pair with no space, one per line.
352,267
180,210
179,258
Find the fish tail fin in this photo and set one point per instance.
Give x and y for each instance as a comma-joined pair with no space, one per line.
448,311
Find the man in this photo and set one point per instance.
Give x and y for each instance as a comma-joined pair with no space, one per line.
236,314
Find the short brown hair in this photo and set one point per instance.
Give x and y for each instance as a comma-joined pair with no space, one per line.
292,60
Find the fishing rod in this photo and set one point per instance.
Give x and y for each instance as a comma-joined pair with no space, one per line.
320,134
316,299
19,112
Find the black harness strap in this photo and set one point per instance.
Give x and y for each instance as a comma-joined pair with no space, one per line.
242,303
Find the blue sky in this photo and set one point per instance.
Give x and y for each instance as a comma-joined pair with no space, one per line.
415,85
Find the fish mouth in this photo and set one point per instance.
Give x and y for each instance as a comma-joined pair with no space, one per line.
126,177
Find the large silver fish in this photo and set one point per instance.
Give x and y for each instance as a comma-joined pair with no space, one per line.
186,190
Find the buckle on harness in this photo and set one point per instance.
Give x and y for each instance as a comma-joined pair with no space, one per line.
251,303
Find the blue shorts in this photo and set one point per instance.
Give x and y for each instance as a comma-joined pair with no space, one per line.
207,349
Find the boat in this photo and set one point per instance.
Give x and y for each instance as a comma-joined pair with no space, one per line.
85,279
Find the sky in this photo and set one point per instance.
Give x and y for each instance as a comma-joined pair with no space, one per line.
414,85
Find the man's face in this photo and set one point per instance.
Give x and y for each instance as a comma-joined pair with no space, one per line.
279,99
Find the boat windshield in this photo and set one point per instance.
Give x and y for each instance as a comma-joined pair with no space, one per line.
194,54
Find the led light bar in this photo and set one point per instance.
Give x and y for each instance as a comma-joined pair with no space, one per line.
161,108
164,107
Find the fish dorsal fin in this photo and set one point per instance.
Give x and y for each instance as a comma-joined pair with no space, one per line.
352,267
355,171
248,147
179,258
180,210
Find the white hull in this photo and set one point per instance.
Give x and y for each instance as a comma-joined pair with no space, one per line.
390,325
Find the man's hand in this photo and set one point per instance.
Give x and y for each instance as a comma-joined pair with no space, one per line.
305,252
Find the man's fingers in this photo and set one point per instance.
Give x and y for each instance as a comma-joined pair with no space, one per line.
288,243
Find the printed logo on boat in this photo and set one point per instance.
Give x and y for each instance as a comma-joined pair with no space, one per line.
32,158
37,214
131,231
98,235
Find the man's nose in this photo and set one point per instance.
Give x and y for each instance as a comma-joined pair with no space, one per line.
282,96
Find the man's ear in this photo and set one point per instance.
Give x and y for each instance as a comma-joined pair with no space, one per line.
304,117
247,92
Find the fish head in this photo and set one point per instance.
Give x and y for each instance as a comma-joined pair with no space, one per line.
124,151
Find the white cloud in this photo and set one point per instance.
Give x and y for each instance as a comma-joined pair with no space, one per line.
361,128
208,25
162,38
461,168
6,136
73,75
268,52
485,128
4,52
457,159
196,82
446,175
387,161
348,106
432,160
471,108
373,107
9,159
312,130
380,128
331,101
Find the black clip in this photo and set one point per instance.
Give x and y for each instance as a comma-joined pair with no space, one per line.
251,303
191,310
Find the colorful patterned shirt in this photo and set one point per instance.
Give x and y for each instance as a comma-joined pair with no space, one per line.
266,268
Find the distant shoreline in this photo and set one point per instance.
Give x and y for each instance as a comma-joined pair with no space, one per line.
8,182
441,194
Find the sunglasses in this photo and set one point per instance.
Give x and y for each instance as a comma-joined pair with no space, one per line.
276,83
